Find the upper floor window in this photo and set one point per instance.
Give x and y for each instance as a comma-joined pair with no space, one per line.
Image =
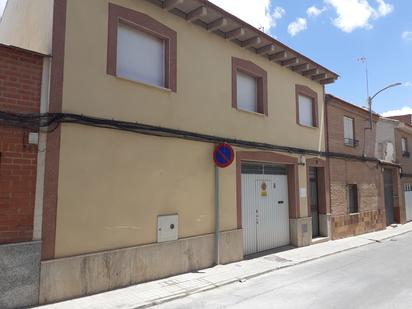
141,49
249,87
247,92
404,145
349,131
140,56
306,106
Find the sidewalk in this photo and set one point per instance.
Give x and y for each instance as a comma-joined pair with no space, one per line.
156,292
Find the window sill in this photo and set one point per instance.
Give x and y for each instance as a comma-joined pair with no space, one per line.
305,126
249,112
354,214
143,83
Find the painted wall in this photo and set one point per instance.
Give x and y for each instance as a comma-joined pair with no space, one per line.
112,185
28,24
385,133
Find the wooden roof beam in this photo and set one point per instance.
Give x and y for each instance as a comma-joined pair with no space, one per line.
196,14
327,80
217,24
310,72
252,42
290,62
320,76
278,56
171,4
268,49
235,34
301,67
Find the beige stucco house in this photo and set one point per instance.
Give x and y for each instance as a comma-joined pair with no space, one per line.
130,184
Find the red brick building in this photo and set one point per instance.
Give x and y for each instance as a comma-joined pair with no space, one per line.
357,204
20,91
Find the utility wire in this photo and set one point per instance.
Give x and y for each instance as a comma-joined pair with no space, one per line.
46,120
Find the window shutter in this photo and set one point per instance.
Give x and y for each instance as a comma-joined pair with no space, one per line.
140,56
404,147
306,111
348,128
247,92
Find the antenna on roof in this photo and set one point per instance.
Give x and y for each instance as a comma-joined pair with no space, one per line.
365,61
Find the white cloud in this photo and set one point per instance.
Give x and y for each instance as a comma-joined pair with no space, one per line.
313,11
353,14
297,26
398,112
384,8
407,84
258,13
407,35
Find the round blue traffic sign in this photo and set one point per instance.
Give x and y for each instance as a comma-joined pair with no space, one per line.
223,155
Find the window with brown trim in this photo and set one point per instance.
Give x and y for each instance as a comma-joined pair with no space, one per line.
306,106
405,148
352,197
141,49
249,87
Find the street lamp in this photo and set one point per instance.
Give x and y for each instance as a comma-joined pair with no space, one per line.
370,100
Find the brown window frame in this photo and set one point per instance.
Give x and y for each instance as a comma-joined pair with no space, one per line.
249,68
305,91
145,23
356,198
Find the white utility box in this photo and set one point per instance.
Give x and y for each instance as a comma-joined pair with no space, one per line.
167,228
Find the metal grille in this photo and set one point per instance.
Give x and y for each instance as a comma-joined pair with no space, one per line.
263,169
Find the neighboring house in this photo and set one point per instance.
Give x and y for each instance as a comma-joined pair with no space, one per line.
181,76
403,141
387,152
356,185
21,74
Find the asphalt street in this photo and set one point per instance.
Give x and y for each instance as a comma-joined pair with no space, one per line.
375,276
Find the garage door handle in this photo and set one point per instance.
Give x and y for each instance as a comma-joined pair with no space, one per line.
280,202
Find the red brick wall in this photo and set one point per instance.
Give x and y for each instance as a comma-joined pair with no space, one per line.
366,175
20,91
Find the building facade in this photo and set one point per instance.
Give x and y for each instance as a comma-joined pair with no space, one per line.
386,151
356,181
21,74
403,142
133,167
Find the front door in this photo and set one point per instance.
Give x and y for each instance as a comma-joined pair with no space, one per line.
314,200
388,188
265,208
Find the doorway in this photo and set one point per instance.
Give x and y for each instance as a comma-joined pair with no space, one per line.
265,207
314,200
389,198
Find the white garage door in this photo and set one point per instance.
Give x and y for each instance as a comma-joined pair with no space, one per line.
265,207
408,201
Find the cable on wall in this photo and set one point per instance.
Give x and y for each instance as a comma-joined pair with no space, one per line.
52,120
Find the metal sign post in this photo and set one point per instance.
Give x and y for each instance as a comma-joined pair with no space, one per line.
223,156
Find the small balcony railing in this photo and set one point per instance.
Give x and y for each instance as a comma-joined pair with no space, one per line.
406,154
351,142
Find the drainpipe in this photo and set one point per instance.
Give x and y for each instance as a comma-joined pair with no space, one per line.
217,215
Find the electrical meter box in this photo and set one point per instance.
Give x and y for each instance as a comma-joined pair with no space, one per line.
167,228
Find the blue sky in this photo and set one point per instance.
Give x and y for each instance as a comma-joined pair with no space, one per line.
335,33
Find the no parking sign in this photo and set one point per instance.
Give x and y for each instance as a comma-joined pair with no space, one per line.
223,155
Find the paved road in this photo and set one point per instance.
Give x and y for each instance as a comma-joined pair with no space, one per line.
376,276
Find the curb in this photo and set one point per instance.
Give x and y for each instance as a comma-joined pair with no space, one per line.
231,281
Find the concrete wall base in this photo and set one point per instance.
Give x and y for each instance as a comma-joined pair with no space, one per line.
325,225
301,231
19,274
78,276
